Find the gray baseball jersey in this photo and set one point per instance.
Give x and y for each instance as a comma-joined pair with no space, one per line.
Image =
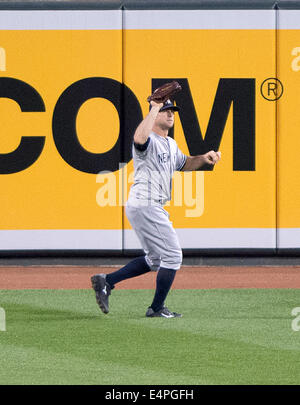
154,165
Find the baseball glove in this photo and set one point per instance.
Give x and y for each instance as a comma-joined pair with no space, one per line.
164,92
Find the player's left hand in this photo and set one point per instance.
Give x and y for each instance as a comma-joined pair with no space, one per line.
212,157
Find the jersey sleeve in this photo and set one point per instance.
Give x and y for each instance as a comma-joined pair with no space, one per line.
180,159
142,150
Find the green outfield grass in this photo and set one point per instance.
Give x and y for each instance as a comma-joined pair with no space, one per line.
225,337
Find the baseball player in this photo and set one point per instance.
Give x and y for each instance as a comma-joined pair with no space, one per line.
155,156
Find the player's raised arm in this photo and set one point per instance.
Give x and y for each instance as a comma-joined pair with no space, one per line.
143,130
196,162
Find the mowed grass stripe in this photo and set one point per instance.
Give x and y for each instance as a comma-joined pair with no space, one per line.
225,337
33,366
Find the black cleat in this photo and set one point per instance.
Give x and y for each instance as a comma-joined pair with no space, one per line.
162,313
102,290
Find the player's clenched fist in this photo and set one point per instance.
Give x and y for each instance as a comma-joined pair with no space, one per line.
211,157
197,162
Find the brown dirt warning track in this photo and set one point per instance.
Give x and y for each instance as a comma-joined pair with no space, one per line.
191,277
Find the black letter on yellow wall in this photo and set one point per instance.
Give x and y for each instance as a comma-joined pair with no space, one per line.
64,124
30,147
238,92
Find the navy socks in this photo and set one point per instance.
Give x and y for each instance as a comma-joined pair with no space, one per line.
134,268
164,281
139,266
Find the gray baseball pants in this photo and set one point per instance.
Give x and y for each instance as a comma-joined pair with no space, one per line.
156,235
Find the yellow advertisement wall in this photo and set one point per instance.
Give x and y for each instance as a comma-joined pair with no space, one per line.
288,125
232,199
51,194
288,129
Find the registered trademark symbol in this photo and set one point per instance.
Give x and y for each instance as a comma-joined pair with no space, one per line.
271,89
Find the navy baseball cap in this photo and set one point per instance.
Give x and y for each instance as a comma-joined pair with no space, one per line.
168,105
